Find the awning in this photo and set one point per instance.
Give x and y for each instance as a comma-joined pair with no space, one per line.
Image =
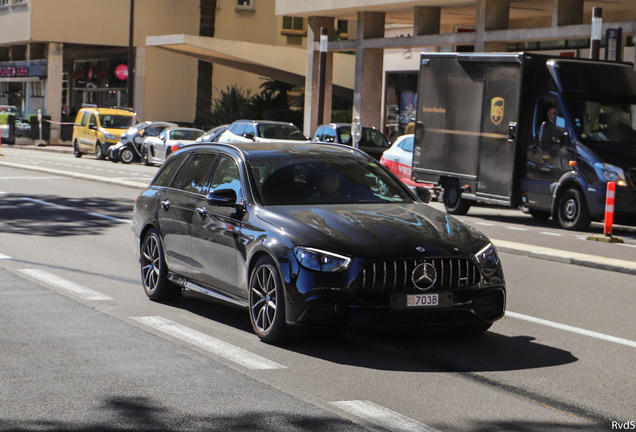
276,62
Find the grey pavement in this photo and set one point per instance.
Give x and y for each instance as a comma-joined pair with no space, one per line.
539,252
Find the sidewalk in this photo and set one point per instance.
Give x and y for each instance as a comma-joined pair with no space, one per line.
29,144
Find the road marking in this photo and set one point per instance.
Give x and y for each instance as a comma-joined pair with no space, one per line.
551,233
29,178
66,285
484,223
625,244
572,329
517,228
3,256
46,203
208,343
382,417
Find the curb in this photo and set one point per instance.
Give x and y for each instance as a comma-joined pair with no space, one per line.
574,258
53,149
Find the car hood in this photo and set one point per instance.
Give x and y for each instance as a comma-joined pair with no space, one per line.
620,155
116,132
370,230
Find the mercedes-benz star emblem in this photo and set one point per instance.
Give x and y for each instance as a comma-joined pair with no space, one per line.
424,276
420,249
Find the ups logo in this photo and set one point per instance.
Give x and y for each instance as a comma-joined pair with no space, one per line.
496,110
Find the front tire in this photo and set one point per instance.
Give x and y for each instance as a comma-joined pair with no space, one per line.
99,152
144,157
573,211
76,152
126,155
453,201
154,270
267,302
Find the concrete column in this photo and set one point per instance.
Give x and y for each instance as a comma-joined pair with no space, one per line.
426,20
567,12
310,122
55,67
140,83
491,15
367,90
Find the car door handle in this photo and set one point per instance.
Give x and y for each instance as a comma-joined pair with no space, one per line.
165,204
202,212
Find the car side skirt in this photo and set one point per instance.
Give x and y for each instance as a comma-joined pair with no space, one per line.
207,290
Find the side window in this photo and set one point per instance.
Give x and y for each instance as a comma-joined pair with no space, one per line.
226,176
249,129
163,135
551,121
329,135
164,177
85,117
407,144
177,181
198,173
238,129
318,133
92,120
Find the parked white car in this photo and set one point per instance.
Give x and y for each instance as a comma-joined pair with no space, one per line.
155,150
242,131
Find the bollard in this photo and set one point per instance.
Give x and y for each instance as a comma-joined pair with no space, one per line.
609,208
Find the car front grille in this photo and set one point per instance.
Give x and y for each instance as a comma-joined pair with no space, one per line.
631,176
395,276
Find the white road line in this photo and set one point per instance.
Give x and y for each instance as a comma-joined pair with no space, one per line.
517,228
110,218
208,343
3,256
383,417
572,329
625,244
63,284
30,178
483,223
551,233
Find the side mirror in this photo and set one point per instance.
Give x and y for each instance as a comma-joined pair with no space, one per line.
162,138
424,194
222,197
92,126
249,135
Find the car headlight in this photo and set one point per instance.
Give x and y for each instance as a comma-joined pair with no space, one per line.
610,173
487,257
109,136
315,259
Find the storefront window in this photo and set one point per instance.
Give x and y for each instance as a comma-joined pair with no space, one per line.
401,102
100,82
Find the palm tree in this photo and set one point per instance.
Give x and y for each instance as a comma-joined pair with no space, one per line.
204,77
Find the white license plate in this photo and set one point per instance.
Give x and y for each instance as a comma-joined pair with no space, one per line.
422,300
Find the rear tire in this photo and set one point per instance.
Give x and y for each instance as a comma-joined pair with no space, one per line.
573,211
126,155
76,152
144,157
453,201
154,270
99,152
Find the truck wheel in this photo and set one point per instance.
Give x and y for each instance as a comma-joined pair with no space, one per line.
76,152
573,211
453,200
99,152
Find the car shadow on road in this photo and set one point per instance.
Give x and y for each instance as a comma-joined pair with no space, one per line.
54,216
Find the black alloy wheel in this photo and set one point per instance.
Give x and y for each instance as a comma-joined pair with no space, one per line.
76,152
267,303
126,155
573,211
154,270
99,152
453,201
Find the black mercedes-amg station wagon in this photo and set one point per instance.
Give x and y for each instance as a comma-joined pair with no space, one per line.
311,235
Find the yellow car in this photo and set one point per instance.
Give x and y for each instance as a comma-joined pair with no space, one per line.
96,129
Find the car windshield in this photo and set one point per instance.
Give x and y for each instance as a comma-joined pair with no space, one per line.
370,137
324,179
115,121
188,135
601,121
276,131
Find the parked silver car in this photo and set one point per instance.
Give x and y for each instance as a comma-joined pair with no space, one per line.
155,150
128,149
242,131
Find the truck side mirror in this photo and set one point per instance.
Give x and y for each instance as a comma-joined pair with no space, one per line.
424,194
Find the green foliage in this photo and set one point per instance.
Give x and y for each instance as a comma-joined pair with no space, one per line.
341,116
33,120
232,104
7,118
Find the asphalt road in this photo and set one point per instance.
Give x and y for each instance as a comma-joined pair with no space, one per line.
84,349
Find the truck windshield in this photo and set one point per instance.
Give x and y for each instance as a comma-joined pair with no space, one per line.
602,121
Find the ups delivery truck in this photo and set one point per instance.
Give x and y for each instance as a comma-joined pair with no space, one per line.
522,129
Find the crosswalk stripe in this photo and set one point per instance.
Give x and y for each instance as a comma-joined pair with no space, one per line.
382,416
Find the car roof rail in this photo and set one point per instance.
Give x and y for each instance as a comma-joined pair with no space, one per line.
122,108
87,105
